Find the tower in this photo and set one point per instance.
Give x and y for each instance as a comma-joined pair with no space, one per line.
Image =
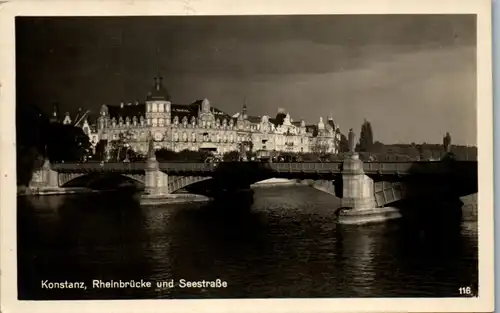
54,117
158,108
244,112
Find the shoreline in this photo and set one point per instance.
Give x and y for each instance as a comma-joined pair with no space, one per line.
54,191
469,207
275,182
171,199
23,191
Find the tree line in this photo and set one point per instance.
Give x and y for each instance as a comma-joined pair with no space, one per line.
37,138
377,150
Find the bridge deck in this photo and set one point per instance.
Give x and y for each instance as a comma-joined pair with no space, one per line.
373,168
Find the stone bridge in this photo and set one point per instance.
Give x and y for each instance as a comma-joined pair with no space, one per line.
87,179
365,189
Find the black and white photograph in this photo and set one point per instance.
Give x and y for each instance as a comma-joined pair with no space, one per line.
249,156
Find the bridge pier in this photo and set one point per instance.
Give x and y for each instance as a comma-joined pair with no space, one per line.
45,177
46,181
157,190
358,204
156,184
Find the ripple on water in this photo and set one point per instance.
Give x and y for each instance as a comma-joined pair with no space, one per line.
285,245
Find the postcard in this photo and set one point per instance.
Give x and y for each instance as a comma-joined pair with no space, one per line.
256,156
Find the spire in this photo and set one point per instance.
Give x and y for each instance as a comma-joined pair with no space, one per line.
55,113
244,110
158,82
158,78
158,59
159,92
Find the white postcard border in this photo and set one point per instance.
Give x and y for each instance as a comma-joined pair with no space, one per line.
10,9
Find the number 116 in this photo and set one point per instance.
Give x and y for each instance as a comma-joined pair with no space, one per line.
465,290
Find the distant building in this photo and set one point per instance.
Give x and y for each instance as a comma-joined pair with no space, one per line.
199,125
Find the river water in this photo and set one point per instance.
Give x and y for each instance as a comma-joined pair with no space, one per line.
286,244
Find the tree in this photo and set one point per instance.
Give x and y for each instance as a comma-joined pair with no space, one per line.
67,143
166,155
37,138
308,157
447,142
192,156
319,147
378,147
343,144
251,155
185,155
120,146
100,150
231,156
366,137
31,140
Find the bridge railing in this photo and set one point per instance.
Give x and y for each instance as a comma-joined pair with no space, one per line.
193,167
134,167
307,167
387,167
115,166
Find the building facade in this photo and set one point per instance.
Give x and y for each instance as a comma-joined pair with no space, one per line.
199,125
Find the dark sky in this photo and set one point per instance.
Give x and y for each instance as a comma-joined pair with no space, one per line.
412,76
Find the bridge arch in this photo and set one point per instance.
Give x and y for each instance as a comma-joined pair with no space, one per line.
90,179
177,183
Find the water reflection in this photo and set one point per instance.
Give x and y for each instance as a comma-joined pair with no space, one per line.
285,244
